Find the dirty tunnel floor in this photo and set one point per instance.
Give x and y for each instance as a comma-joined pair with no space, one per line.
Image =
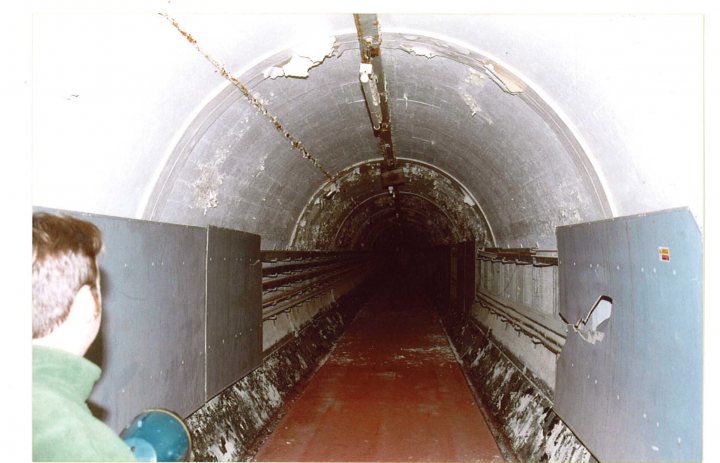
391,390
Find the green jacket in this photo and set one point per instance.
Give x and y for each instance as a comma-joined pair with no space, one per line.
64,429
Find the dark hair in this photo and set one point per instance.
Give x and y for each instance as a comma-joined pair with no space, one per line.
64,253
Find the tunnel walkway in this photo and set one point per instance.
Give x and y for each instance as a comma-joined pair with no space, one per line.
391,390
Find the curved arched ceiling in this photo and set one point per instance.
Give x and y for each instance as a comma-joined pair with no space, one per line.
509,149
347,211
542,120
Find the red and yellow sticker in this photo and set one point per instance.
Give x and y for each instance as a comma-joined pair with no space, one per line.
664,253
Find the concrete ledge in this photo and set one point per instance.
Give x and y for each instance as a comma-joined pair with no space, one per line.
519,407
232,425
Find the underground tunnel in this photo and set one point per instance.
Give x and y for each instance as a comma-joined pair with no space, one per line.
388,237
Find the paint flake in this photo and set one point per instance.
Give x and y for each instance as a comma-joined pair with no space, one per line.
418,50
504,79
306,56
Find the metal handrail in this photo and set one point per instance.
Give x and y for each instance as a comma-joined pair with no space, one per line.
271,256
294,290
299,276
276,269
548,333
522,256
307,292
291,278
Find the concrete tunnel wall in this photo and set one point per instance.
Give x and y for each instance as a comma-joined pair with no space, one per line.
506,127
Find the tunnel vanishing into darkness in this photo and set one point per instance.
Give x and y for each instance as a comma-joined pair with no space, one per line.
502,176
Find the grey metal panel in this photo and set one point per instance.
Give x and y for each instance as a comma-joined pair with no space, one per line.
151,346
234,307
635,395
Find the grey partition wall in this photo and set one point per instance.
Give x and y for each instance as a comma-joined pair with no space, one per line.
151,344
179,324
234,306
629,378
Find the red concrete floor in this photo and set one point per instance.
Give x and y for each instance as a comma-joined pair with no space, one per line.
391,390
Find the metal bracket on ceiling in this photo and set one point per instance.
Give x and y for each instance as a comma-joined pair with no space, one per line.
372,80
369,82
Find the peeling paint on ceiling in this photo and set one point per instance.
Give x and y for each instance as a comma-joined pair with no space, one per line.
305,56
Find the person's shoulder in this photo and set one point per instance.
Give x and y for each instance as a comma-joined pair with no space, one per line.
73,437
65,430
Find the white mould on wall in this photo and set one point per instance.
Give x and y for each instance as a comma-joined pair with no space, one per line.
207,184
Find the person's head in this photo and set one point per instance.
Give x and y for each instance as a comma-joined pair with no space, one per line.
65,282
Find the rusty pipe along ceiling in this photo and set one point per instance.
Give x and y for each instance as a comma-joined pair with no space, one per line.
503,127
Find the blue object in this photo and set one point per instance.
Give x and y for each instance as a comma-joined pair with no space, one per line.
158,435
